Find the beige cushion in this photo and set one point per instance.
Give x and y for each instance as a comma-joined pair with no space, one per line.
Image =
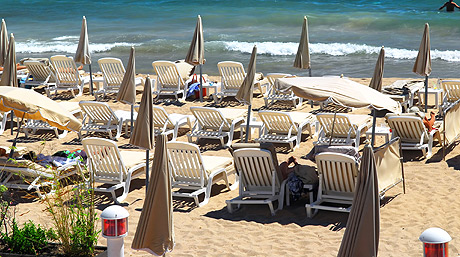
212,163
133,158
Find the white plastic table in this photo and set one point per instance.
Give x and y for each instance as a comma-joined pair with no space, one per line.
380,131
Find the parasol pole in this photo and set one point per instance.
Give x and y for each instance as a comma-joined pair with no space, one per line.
17,135
201,84
132,119
374,121
11,123
90,80
246,137
426,93
147,170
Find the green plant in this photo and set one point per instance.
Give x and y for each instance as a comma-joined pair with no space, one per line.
74,217
29,239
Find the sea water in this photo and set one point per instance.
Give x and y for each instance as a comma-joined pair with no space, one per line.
345,35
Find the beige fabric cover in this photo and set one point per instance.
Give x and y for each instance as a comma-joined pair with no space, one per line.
83,55
340,90
298,117
212,163
452,124
388,164
3,43
244,94
9,76
143,132
35,168
133,158
195,54
363,225
127,91
37,107
155,231
72,107
376,81
302,58
231,114
422,65
184,70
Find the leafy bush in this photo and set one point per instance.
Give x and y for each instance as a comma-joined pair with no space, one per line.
29,239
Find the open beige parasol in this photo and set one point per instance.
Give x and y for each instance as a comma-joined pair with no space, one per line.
32,105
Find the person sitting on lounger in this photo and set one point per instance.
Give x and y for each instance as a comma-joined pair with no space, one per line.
450,6
429,123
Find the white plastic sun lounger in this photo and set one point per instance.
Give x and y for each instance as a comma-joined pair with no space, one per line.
274,94
170,81
110,166
259,179
216,123
113,73
99,117
285,127
39,75
194,172
67,76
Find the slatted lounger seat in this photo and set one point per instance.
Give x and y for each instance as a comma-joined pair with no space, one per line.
196,173
216,123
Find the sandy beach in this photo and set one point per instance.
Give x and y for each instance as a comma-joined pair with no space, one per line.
431,200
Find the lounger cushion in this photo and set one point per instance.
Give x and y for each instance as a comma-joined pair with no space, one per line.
133,158
213,163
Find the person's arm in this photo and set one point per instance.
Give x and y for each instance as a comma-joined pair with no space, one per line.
456,5
443,6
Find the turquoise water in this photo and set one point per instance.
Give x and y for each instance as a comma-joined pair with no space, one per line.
345,36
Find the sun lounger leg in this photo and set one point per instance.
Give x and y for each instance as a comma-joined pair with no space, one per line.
272,210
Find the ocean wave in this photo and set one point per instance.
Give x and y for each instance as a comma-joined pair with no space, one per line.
65,38
335,49
56,46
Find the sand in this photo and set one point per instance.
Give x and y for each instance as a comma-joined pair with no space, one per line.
431,200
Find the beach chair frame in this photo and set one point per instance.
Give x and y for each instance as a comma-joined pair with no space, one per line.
274,94
211,123
337,179
167,124
259,181
413,133
188,172
40,74
169,81
345,133
99,117
279,127
106,166
66,74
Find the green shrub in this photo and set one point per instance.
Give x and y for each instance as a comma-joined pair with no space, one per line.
29,239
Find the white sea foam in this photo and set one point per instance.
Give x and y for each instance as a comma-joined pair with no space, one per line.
33,46
65,38
335,49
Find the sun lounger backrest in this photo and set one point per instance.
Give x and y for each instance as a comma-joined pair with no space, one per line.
186,164
65,70
342,124
232,74
271,77
339,173
38,70
257,171
210,118
104,159
113,71
160,117
278,122
99,112
408,128
168,74
451,89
